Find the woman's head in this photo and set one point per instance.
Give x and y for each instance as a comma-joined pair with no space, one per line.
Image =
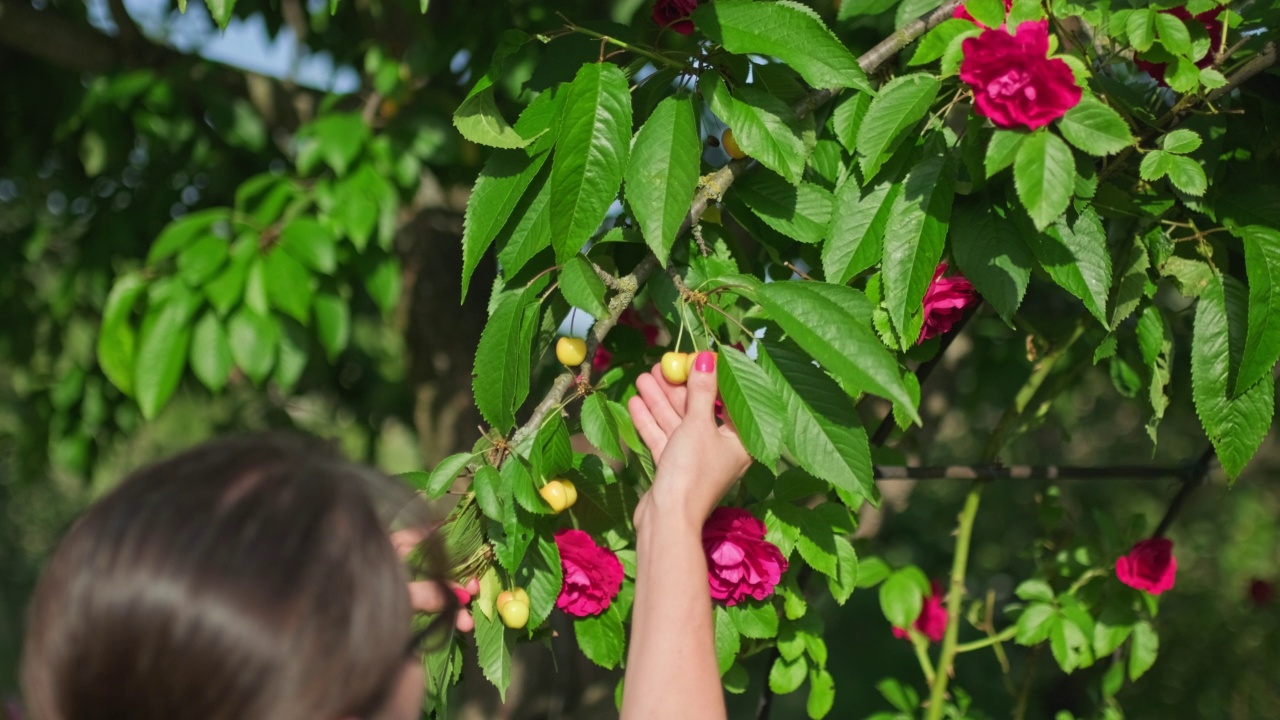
246,578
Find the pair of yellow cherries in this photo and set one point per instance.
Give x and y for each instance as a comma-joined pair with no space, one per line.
676,366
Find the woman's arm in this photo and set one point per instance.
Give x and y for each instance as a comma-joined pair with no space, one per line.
671,665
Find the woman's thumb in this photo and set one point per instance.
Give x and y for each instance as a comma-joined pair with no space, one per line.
702,387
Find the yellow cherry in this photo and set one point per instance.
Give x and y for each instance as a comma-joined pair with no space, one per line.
507,596
571,351
688,363
515,613
731,146
555,495
675,367
570,493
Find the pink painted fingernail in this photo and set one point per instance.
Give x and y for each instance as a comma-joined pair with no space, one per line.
706,362
463,596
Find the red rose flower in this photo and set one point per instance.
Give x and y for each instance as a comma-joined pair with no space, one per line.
1261,592
675,14
629,317
741,564
1212,25
1149,566
932,622
963,14
1015,83
945,302
592,574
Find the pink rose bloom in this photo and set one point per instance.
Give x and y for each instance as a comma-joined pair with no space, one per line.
932,622
1212,25
1015,83
741,564
945,302
629,317
1149,566
592,574
675,14
963,14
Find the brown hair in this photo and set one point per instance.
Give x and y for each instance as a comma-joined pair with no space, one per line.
246,578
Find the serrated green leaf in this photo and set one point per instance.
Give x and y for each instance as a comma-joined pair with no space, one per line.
1186,174
988,13
601,638
801,212
787,31
498,359
1043,174
116,338
1035,590
1001,150
753,404
821,318
848,116
289,285
1173,33
755,619
541,576
444,473
1078,260
162,351
934,43
581,287
185,230
1035,622
1143,650
823,431
764,126
310,243
333,323
728,640
496,194
493,650
1155,342
1095,128
855,236
255,338
592,146
1236,426
786,676
220,10
211,360
991,253
600,426
1131,281
913,242
1262,342
479,120
1180,141
662,173
902,596
846,578
200,260
902,103
1141,28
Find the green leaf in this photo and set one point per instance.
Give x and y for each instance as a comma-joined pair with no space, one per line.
542,577
254,341
855,237
848,116
444,473
755,619
801,212
162,351
728,640
289,285
902,103
752,403
1035,590
934,43
818,317
1181,141
1155,341
764,126
200,260
116,339
1141,28
1186,174
529,231
1071,647
846,578
185,230
787,31
1114,626
220,10
786,676
493,650
333,323
479,120
211,353
601,638
339,138
1002,150
662,173
822,430
872,571
1043,174
1236,426
1035,622
1131,281
902,596
291,356
1143,650
499,357
600,426
497,192
1095,128
1173,34
592,146
311,244
1078,260
582,288
1262,343
913,242
989,13
991,253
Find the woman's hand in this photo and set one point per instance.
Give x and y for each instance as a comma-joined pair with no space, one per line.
697,460
429,596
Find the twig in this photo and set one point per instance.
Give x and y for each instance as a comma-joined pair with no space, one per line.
1198,474
797,271
955,593
1038,472
574,27
608,278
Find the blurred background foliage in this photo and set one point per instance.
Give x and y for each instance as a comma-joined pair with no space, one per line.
122,116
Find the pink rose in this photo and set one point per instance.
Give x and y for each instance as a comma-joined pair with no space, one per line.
741,564
1015,83
592,574
1212,25
932,622
629,317
963,14
675,14
1149,566
945,302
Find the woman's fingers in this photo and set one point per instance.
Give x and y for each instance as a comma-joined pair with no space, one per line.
464,622
404,541
427,596
647,427
702,388
659,405
676,394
